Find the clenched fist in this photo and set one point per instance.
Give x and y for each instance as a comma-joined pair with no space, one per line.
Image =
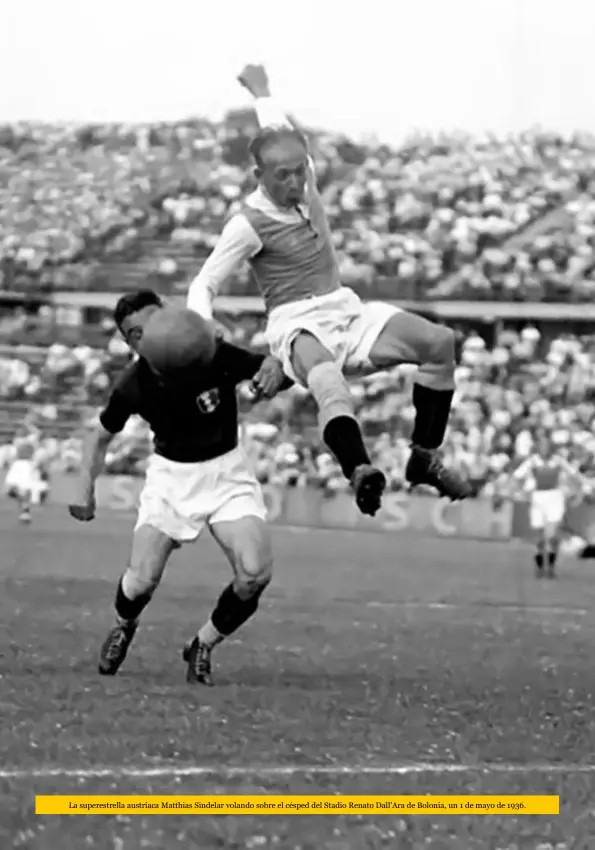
255,79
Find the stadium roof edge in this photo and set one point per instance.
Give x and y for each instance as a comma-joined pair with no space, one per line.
488,311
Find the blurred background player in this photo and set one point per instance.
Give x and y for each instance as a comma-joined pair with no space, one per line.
319,329
198,474
549,478
25,480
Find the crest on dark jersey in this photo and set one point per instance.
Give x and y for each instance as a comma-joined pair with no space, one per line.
208,401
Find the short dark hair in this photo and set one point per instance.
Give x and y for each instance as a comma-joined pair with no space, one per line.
272,136
132,302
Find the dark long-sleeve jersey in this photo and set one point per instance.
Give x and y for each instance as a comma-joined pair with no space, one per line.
191,423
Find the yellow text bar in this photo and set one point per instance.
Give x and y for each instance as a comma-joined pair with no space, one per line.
280,804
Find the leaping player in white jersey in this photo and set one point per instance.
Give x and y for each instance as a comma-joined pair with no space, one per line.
319,329
549,476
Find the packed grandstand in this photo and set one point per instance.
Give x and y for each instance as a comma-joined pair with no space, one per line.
102,209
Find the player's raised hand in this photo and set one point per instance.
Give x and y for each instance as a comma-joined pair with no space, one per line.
269,378
83,511
255,79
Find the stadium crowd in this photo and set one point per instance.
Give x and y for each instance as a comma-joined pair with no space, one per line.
436,217
442,217
506,395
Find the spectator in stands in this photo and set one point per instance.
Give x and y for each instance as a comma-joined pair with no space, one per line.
452,216
445,217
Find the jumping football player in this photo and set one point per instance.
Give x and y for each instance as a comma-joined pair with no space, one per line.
319,329
198,475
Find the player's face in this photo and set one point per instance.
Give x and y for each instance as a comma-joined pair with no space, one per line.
283,172
132,326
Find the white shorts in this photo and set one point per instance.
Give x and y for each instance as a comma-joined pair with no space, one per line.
547,509
21,479
341,321
179,499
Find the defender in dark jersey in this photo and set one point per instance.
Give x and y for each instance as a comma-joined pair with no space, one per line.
196,476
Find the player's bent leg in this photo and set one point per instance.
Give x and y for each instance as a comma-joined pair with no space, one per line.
247,545
408,338
151,549
540,552
552,549
22,496
316,368
25,502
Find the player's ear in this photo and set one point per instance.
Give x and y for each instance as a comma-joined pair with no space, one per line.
257,173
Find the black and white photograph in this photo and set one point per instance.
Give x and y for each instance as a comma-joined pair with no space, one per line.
297,439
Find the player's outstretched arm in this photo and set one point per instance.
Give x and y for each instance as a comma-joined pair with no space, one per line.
95,445
255,79
112,420
237,243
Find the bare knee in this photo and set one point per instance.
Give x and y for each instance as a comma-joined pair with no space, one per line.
441,345
318,370
150,552
252,576
409,338
307,352
254,566
247,544
142,578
